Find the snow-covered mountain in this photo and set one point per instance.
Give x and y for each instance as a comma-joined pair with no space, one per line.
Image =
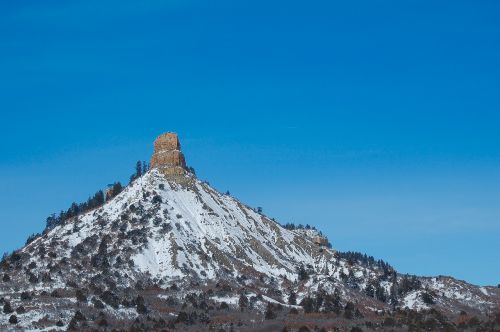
171,252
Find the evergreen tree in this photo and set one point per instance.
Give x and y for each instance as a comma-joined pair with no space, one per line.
269,314
243,301
380,293
308,304
138,169
303,275
292,298
51,221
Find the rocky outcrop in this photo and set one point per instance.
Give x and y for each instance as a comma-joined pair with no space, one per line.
167,156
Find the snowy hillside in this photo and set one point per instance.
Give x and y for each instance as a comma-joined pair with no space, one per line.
171,252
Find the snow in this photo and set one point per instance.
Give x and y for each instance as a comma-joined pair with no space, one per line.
414,301
209,233
205,219
232,300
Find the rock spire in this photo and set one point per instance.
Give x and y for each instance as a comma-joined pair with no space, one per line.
167,156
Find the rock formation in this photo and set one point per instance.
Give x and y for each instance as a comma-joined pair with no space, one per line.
167,156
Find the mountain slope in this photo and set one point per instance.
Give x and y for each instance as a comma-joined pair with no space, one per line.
171,252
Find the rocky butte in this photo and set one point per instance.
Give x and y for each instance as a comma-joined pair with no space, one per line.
167,156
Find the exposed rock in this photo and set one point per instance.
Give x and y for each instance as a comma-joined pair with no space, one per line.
167,156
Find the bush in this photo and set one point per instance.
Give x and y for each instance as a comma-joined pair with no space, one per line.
13,319
427,298
25,296
140,306
389,321
97,303
348,310
302,272
243,301
21,310
308,304
7,309
111,299
182,317
80,296
79,316
103,322
269,314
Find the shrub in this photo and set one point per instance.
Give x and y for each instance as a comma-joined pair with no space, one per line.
427,298
243,301
111,299
97,303
7,309
80,296
389,321
140,306
302,272
13,319
269,314
182,317
79,316
25,296
348,310
308,304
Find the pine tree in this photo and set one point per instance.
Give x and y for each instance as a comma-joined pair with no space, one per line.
138,169
51,221
308,304
269,314
243,301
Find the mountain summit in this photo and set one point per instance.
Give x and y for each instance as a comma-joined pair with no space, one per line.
167,156
169,252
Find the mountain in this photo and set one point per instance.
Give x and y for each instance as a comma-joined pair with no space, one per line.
169,252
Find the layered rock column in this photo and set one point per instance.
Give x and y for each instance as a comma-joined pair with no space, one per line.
167,156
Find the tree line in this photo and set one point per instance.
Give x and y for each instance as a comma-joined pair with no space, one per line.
93,202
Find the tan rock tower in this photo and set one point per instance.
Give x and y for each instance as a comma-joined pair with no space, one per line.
167,156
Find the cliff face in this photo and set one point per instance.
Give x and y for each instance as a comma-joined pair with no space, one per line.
167,156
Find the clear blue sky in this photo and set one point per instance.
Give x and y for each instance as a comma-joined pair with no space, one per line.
376,121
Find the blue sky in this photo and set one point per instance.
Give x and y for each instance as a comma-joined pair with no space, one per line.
378,123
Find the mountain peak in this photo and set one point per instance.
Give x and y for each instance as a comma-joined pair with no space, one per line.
167,156
170,245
